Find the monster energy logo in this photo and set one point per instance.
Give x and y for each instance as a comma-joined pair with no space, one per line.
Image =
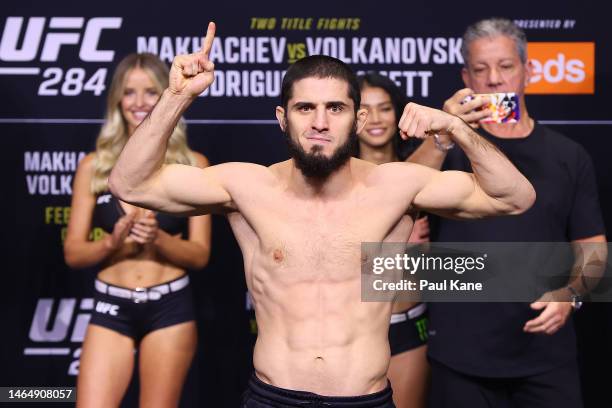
421,325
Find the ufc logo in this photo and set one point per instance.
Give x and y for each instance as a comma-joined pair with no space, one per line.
52,324
54,40
104,199
103,307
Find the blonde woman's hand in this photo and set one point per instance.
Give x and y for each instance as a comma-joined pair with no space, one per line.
121,231
145,228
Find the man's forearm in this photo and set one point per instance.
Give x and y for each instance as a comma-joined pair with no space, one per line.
591,255
145,150
495,174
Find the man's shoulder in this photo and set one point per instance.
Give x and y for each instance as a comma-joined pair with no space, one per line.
279,166
554,136
563,145
242,167
361,166
397,172
401,166
235,173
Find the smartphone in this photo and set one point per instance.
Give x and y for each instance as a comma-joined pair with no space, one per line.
504,107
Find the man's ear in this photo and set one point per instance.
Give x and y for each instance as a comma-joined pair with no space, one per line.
465,75
362,119
528,72
282,119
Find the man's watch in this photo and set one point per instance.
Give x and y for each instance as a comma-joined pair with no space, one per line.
576,298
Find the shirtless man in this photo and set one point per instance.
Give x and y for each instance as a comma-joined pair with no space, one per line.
300,223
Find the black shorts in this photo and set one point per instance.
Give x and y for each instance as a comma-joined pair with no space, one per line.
136,313
262,395
558,388
408,330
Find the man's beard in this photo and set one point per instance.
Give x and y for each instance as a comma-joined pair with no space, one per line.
314,165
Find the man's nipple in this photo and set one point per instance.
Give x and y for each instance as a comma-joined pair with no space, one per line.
278,255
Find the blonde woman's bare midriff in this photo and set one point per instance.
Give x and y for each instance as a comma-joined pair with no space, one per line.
141,268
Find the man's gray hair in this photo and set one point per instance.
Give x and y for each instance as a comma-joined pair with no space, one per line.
493,27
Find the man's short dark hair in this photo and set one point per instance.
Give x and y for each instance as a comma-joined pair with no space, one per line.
320,66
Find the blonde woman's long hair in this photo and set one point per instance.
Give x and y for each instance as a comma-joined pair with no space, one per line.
114,133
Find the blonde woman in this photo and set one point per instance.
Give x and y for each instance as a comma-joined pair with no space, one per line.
142,294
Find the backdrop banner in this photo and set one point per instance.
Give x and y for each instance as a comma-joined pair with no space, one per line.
56,63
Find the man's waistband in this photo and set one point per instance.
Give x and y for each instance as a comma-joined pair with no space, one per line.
278,395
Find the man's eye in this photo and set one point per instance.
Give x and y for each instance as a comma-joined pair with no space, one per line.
336,108
305,108
507,67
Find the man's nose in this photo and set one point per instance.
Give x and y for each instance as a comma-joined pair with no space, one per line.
494,78
320,120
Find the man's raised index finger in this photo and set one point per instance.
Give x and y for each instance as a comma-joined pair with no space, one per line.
208,40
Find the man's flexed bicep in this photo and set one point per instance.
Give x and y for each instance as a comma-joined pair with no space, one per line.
187,190
456,194
193,191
